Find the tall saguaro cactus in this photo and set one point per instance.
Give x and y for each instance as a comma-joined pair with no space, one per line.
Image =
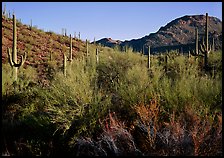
70,59
87,49
97,56
196,41
149,58
13,53
65,32
31,24
65,64
143,50
4,11
205,50
94,41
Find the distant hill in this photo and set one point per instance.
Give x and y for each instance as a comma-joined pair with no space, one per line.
177,34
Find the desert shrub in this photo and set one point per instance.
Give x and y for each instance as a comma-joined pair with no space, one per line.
158,111
115,140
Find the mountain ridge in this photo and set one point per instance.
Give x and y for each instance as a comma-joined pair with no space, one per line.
180,31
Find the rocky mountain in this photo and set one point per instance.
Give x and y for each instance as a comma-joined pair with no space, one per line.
109,42
177,34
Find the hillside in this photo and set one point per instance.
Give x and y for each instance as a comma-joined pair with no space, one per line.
176,34
39,44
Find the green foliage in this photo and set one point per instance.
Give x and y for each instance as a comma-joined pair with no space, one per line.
73,106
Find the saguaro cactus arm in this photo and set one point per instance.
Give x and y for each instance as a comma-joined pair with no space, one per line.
14,63
204,48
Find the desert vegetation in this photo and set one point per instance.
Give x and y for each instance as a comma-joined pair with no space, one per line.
107,102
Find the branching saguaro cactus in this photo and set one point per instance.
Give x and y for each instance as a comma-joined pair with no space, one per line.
205,50
13,53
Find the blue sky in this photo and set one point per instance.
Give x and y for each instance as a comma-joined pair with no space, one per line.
117,20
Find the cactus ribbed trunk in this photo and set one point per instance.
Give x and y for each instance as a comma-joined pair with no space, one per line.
149,58
166,62
87,49
196,41
65,59
4,11
206,35
97,56
31,24
14,55
70,47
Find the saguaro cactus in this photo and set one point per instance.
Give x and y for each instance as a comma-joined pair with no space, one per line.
13,53
31,24
143,50
196,41
87,49
97,56
205,50
70,59
166,62
64,65
195,53
65,32
4,11
149,58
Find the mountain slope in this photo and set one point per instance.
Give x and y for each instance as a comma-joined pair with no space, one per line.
39,45
178,33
